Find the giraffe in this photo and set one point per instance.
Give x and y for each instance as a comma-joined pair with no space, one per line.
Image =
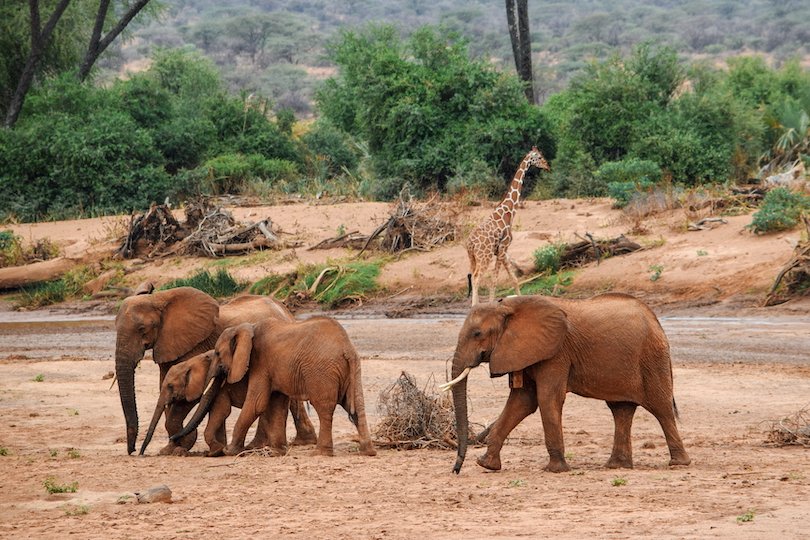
492,238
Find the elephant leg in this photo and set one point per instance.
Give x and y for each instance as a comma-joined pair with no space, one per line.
304,430
175,415
361,423
521,403
622,455
664,412
215,435
262,437
255,404
276,418
550,398
325,413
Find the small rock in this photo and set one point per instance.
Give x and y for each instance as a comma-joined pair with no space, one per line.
155,494
648,445
108,375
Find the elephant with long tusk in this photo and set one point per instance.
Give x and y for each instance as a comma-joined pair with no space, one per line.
609,347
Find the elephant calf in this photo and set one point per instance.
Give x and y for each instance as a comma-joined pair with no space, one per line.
307,360
184,382
609,347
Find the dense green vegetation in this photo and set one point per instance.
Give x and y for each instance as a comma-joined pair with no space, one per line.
269,47
431,106
219,285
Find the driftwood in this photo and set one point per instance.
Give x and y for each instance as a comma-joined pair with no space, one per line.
14,277
207,231
705,224
352,239
590,249
794,277
415,226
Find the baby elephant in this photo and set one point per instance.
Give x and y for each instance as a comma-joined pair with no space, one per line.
307,360
184,382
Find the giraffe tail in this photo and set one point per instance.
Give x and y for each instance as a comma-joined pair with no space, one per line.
469,285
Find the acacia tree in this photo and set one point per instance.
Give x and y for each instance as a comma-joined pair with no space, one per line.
41,39
517,17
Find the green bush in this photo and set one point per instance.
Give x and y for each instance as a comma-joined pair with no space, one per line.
51,486
231,173
425,107
547,258
219,285
627,177
780,210
328,143
477,177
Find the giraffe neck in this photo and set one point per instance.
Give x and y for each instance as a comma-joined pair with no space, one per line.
506,210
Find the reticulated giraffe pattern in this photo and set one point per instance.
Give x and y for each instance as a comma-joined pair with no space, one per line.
491,239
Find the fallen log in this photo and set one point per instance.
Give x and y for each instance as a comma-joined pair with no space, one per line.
794,277
14,277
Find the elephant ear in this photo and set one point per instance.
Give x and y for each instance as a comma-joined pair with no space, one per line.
534,330
242,345
188,317
195,376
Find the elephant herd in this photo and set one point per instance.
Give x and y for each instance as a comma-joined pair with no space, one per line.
251,353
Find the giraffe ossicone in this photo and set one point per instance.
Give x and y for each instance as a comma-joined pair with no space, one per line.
492,238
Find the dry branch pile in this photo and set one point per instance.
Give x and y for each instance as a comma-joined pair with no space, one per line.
794,277
416,225
590,249
416,418
208,231
792,430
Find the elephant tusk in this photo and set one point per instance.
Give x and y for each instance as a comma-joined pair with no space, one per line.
115,378
448,385
210,384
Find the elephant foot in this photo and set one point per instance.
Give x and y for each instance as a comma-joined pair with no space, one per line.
279,451
487,461
324,451
168,450
680,461
215,453
619,462
254,444
231,450
304,439
180,452
557,466
368,449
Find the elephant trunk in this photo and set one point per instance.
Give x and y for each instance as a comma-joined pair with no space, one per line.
206,402
125,361
460,407
159,408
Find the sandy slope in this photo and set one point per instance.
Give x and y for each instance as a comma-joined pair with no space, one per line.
726,263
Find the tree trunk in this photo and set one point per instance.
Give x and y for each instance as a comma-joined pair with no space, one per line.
517,18
98,44
39,41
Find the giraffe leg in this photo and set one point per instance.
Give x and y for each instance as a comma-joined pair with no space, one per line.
494,282
507,264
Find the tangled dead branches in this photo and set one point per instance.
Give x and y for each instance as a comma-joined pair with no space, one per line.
791,430
416,418
208,231
794,277
416,226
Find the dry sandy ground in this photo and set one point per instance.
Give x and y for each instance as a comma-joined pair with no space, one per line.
732,377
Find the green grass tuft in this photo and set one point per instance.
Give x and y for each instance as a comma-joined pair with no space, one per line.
217,285
553,284
52,487
779,211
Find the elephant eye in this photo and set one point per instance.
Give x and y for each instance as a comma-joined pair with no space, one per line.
476,333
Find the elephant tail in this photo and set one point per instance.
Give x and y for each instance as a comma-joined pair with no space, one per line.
351,386
675,409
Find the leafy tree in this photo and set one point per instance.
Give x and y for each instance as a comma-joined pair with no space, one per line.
49,49
425,107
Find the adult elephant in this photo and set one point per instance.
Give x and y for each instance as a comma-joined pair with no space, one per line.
608,347
312,359
178,324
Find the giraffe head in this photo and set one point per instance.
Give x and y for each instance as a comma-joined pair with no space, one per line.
535,157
